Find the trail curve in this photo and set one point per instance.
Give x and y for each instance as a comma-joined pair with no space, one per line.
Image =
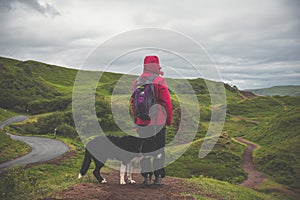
43,149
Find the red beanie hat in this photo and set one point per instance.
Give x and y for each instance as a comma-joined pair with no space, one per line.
151,63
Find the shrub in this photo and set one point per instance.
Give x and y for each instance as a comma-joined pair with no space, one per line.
17,184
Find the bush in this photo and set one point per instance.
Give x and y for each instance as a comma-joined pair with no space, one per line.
44,106
62,122
66,130
221,163
17,184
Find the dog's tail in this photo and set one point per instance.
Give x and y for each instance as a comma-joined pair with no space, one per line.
86,163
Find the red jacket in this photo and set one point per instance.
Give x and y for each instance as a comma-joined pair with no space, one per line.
162,97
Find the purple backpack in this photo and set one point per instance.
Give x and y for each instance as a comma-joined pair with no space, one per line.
143,97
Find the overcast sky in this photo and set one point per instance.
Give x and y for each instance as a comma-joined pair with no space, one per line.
254,44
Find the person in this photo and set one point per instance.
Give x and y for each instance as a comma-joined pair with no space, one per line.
154,128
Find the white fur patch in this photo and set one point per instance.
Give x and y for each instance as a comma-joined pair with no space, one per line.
104,181
132,181
122,182
79,176
159,156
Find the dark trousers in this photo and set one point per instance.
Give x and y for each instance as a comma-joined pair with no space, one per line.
153,151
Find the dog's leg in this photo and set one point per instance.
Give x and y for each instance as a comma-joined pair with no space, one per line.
122,174
129,170
85,164
96,171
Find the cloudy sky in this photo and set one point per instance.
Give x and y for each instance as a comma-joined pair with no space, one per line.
253,44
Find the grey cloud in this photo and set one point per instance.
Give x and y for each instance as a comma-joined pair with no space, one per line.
46,9
254,41
262,75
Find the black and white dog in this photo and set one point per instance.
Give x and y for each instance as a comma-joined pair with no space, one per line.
126,149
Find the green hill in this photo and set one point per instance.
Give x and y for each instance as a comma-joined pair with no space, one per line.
280,140
45,92
289,90
31,86
277,131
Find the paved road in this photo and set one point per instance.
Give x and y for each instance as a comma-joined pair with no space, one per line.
43,149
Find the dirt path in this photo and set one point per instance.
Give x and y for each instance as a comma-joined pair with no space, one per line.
172,188
255,177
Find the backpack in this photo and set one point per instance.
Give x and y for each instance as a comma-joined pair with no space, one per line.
143,97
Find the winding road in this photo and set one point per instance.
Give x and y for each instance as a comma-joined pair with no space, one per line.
43,149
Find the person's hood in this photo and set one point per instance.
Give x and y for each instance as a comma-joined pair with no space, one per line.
151,64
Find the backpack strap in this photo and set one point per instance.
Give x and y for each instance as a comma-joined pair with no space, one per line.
145,80
150,79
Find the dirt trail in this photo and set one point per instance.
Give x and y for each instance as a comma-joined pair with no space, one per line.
172,188
255,177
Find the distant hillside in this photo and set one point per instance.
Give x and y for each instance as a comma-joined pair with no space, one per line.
289,90
35,87
25,84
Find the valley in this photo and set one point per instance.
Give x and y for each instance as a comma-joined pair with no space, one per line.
44,92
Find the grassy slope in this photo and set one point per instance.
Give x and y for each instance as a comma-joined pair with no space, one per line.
59,81
277,133
19,85
224,190
5,114
11,149
279,156
222,163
